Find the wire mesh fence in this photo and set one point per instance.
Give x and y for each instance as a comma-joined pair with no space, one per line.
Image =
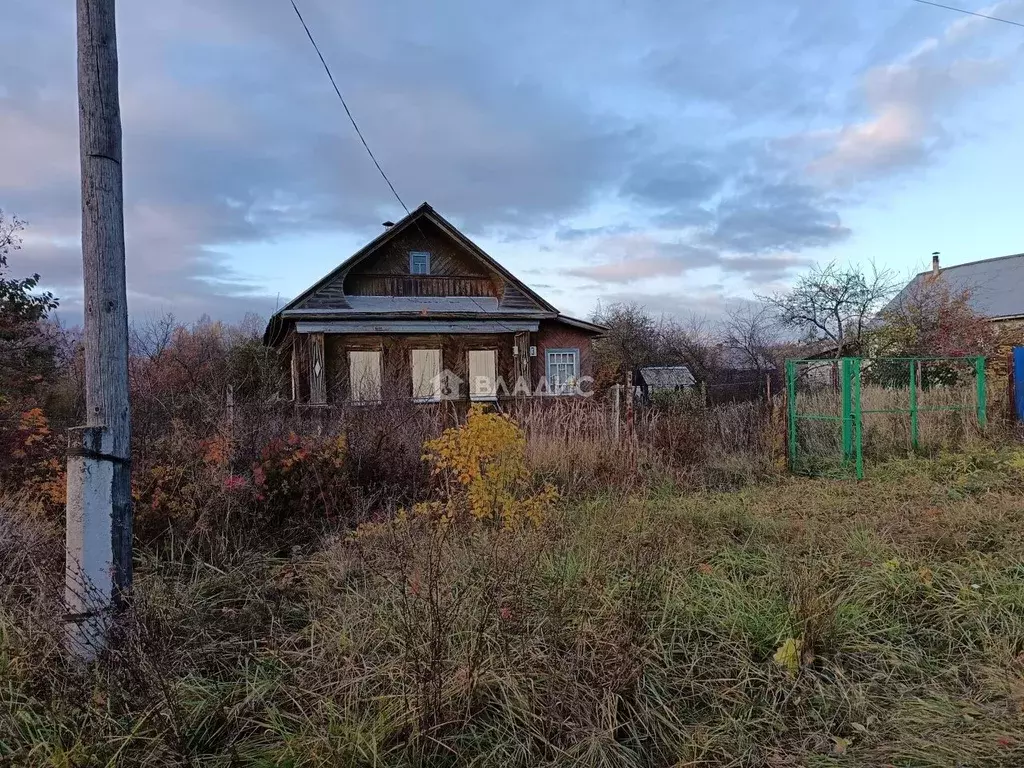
841,412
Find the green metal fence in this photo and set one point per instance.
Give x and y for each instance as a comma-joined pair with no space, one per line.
826,409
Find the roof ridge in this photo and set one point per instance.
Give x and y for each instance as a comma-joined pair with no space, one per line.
972,263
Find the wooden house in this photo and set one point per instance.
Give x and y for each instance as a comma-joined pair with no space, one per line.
422,312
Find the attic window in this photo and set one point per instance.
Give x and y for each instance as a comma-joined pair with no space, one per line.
419,263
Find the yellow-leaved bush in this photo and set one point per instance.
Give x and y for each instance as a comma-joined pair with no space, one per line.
482,465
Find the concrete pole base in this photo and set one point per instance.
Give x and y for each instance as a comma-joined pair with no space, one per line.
89,563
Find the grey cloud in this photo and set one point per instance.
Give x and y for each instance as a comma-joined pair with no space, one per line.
491,112
711,306
776,217
782,56
631,258
570,234
901,105
764,268
232,135
666,181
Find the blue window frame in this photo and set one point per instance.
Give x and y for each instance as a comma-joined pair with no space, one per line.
419,262
563,370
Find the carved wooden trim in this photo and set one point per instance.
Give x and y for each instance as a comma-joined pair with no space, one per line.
317,370
522,358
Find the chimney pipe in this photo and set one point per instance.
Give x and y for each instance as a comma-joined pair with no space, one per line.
935,264
388,224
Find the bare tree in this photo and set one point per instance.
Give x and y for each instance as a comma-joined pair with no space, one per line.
751,332
631,340
151,338
834,304
692,343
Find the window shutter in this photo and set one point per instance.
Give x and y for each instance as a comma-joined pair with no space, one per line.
426,374
482,374
364,374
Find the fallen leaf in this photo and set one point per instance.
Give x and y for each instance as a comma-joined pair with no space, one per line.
839,745
788,655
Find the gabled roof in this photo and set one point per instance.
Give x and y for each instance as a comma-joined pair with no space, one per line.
360,307
424,211
667,377
996,285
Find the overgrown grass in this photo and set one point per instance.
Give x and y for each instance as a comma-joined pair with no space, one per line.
631,629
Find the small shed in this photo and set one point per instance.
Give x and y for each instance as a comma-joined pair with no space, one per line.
663,378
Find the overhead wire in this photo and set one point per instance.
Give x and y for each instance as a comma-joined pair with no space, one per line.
970,13
366,145
348,111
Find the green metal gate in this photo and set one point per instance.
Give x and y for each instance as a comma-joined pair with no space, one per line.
825,408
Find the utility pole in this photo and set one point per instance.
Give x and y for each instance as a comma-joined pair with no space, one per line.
98,573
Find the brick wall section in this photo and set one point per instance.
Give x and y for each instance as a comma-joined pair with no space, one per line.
555,335
1010,334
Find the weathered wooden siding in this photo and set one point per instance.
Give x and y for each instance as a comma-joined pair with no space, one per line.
396,359
420,285
329,296
454,271
513,298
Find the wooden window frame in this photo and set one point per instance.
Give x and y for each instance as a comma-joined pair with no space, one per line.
412,262
568,388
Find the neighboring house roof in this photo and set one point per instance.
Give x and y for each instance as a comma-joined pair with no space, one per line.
326,301
735,359
660,377
996,285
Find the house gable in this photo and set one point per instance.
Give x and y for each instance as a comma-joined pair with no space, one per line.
458,268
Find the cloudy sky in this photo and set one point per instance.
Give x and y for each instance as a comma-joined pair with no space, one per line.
681,154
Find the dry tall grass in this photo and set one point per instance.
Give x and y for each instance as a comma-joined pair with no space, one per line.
626,631
947,420
577,445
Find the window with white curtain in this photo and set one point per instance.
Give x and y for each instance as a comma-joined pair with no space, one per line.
483,374
364,368
426,374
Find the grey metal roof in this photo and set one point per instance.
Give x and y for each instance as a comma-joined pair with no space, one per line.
996,285
667,376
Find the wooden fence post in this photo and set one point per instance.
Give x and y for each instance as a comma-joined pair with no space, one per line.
616,398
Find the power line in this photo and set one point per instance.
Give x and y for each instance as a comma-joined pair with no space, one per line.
970,13
348,112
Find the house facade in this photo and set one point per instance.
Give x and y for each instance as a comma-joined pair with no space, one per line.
422,312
